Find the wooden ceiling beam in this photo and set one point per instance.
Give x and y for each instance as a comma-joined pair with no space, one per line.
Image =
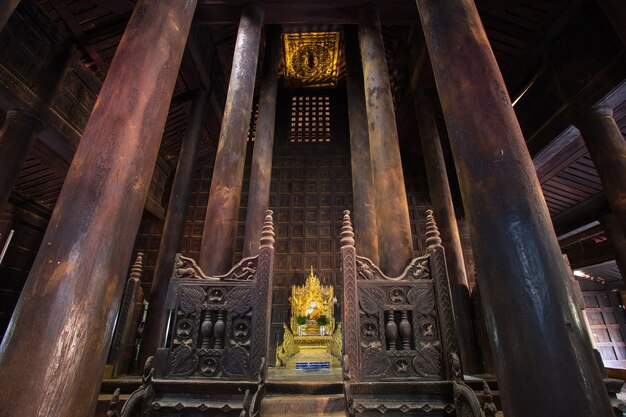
60,7
116,6
317,12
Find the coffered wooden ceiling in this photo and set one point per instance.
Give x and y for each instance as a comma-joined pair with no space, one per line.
518,30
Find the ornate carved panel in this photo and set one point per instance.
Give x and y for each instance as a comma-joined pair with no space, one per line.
398,327
220,323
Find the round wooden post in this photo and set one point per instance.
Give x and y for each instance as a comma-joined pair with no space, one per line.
617,240
222,213
615,11
441,199
6,11
392,209
363,193
17,136
544,364
56,345
173,230
261,170
607,149
23,125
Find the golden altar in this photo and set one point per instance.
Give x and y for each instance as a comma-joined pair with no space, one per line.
306,343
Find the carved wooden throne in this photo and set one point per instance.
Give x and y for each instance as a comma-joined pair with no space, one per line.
400,345
218,341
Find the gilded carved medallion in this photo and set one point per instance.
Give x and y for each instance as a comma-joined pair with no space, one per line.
311,59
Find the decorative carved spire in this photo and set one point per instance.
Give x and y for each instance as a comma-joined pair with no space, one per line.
489,408
137,270
432,232
347,234
267,235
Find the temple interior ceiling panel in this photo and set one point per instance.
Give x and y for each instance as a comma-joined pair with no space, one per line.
311,59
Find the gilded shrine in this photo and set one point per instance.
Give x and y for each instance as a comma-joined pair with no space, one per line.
313,338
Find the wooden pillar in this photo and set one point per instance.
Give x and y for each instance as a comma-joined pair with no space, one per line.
222,213
17,136
23,125
363,193
607,149
617,240
443,207
392,210
544,364
261,171
57,342
615,11
173,230
7,7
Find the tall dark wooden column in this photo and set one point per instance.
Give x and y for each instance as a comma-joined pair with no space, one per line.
544,364
57,342
173,230
23,125
261,171
617,240
17,136
392,210
222,213
607,149
363,193
615,11
6,11
441,199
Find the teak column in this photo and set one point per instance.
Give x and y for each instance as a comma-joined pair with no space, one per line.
17,137
617,240
443,207
22,126
222,213
392,210
607,149
156,321
6,11
56,345
261,170
615,11
544,364
362,183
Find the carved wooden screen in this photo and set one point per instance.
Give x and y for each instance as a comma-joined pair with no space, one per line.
220,324
398,327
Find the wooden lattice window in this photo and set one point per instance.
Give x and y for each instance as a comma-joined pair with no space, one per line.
310,119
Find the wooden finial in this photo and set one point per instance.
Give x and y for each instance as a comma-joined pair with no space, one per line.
347,234
137,269
432,232
489,407
267,235
113,410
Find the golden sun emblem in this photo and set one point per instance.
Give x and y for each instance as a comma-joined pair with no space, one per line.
311,58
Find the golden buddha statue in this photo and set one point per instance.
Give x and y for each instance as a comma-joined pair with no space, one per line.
312,300
309,343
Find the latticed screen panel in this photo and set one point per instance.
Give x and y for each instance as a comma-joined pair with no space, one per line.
310,119
308,196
